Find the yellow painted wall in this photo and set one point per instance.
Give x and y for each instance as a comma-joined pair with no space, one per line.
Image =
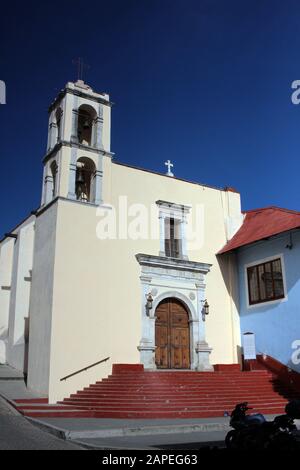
97,293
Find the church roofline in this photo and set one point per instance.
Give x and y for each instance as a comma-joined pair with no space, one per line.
226,189
11,232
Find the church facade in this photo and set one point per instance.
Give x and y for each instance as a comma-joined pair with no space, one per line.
117,262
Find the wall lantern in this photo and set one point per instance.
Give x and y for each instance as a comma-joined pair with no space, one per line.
205,309
149,303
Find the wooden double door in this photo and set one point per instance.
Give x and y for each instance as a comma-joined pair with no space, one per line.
172,335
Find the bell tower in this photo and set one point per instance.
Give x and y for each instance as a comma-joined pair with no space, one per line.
78,140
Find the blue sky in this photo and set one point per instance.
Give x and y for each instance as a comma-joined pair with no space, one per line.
206,83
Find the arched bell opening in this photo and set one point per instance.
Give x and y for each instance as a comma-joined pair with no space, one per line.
53,170
85,180
86,125
58,120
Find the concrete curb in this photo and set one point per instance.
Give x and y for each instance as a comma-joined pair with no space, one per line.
54,430
129,431
12,404
90,446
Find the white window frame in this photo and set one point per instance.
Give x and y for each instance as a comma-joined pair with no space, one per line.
260,261
169,210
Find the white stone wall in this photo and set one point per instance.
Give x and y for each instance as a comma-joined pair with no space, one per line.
20,295
41,302
6,261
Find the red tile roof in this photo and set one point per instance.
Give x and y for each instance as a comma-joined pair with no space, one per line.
263,223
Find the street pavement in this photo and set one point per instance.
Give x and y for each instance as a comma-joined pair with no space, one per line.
16,433
184,441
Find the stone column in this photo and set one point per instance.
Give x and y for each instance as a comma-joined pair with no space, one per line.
147,343
74,135
48,188
52,135
98,129
183,238
49,131
98,187
162,235
202,348
72,174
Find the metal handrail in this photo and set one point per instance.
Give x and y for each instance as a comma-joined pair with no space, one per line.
85,368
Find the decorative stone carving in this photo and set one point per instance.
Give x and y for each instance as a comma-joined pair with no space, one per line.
173,278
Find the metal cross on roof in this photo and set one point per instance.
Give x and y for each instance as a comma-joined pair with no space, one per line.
80,67
169,165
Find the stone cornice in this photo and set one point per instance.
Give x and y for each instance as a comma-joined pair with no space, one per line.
45,207
86,148
163,262
81,94
171,205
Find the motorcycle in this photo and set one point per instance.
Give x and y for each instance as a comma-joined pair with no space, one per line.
253,431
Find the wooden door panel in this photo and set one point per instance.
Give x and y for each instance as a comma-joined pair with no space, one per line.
172,336
180,349
162,346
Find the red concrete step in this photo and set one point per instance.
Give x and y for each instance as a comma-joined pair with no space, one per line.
59,414
131,393
37,406
140,415
88,402
175,408
31,400
153,414
186,380
160,386
182,393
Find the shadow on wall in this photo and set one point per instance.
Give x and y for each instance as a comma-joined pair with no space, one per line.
239,352
26,347
3,333
283,374
227,264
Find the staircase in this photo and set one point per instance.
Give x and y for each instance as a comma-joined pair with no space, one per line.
130,392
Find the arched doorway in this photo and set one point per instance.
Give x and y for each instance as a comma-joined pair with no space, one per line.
172,335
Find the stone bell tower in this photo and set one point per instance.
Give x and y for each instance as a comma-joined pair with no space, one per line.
78,140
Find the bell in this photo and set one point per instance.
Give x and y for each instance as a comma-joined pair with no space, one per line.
86,124
79,177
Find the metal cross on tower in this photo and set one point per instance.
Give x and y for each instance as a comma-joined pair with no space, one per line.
169,165
80,67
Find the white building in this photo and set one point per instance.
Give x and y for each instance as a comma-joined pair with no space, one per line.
117,262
